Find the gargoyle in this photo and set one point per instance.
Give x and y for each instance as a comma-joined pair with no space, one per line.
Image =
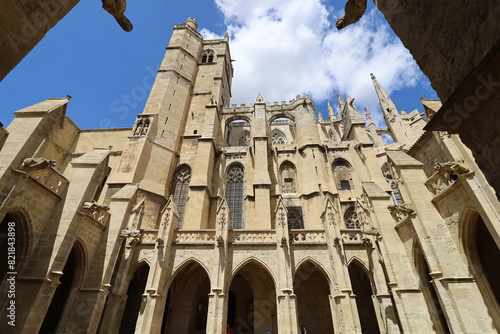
130,233
117,8
455,166
30,164
94,206
354,10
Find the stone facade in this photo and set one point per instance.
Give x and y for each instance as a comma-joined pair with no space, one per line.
260,216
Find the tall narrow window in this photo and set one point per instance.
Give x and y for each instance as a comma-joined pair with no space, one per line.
234,195
182,178
288,177
294,217
342,174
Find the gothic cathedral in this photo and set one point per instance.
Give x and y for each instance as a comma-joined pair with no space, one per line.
259,217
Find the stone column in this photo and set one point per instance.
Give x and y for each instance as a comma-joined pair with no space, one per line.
261,178
217,301
342,300
286,299
155,296
400,276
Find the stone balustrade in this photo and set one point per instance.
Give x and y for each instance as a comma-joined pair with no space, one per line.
351,236
307,236
148,236
195,236
252,236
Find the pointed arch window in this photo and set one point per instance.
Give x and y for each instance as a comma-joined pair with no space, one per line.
278,138
182,178
294,217
288,175
207,57
343,175
351,219
234,195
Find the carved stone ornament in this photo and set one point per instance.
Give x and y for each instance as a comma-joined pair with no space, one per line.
222,218
281,218
30,164
160,242
117,8
455,166
130,233
283,242
447,173
402,211
96,210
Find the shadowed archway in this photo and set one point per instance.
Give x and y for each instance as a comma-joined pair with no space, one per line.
186,307
311,286
483,255
362,288
252,300
134,298
70,279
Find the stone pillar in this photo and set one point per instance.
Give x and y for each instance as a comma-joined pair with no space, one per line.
403,283
286,299
217,301
342,300
155,295
261,178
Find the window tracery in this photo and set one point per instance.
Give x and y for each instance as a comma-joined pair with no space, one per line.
294,218
288,177
278,138
207,57
244,139
352,220
234,195
182,178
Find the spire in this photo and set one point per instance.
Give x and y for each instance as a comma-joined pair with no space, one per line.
259,98
331,112
340,102
388,107
320,117
372,129
369,118
352,112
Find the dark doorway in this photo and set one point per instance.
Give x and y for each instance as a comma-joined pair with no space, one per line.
431,298
489,255
134,298
56,308
312,289
362,288
186,308
253,307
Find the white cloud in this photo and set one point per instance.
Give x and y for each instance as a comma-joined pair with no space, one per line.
285,50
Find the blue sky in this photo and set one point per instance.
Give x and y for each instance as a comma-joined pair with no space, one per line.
282,49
